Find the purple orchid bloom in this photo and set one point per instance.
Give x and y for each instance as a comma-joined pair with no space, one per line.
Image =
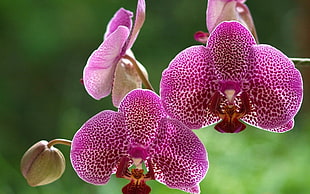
232,79
112,66
226,10
140,132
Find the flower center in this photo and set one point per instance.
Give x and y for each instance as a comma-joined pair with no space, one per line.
137,183
230,95
138,151
136,176
137,162
229,112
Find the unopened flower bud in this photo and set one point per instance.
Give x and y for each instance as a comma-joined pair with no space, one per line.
42,164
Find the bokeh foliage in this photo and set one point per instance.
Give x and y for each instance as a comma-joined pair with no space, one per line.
44,47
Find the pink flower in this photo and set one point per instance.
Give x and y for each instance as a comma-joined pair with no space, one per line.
140,132
232,79
112,66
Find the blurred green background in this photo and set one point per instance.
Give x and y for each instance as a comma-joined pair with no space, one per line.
45,45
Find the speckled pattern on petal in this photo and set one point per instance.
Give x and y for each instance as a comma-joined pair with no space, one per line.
284,128
182,160
98,146
276,88
187,86
230,44
233,60
142,110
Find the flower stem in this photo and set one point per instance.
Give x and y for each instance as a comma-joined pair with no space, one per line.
299,61
145,81
59,141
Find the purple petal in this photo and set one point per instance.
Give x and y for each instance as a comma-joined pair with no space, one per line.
139,20
230,44
187,85
182,161
276,89
99,71
122,17
142,110
284,128
195,189
98,146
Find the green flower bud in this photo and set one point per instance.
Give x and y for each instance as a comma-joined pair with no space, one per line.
42,164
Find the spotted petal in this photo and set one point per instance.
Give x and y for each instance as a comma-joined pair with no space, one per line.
187,85
284,128
266,87
182,160
99,71
230,44
142,110
276,89
98,146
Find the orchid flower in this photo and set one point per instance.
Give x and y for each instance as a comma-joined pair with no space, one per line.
226,10
232,79
140,132
113,66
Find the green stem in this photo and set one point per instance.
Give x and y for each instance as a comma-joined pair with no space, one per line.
144,80
299,61
59,141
